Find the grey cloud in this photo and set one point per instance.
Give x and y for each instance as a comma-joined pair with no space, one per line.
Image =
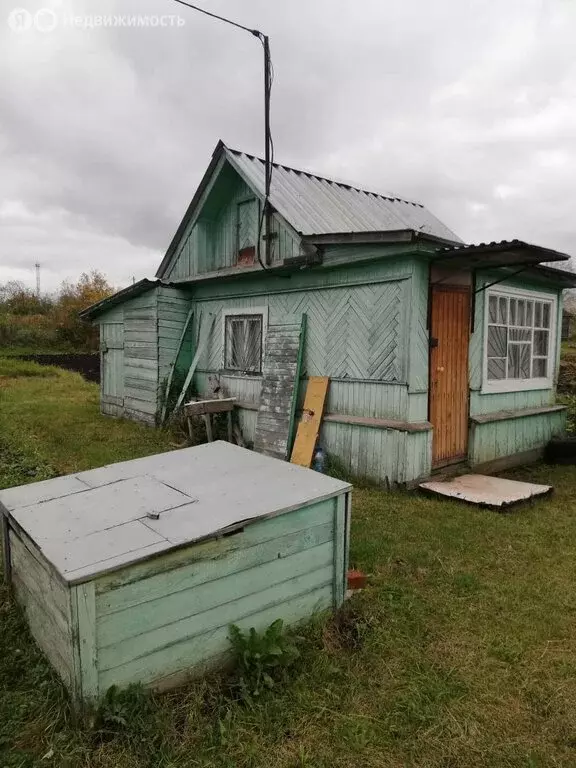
104,133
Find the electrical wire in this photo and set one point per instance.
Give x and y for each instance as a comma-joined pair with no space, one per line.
270,80
254,32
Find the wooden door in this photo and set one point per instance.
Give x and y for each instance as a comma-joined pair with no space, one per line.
449,331
112,368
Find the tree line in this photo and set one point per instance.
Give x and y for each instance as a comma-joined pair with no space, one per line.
51,322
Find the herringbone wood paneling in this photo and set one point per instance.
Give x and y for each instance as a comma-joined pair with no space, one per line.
353,332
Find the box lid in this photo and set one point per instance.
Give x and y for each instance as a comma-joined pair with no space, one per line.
96,521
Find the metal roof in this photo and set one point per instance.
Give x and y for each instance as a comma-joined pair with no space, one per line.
93,522
315,205
497,254
117,298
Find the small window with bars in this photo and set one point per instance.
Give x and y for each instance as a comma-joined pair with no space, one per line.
519,342
243,343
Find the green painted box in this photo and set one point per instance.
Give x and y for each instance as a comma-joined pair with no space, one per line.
132,573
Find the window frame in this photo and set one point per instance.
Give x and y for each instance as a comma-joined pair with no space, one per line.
261,312
490,386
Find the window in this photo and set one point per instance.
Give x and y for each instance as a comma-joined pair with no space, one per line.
243,334
519,340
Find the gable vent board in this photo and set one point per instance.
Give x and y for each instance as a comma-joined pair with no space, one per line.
280,376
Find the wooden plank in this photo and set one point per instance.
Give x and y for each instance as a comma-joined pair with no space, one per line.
85,602
374,423
40,578
487,418
206,327
6,554
279,533
191,653
54,640
215,405
281,372
339,550
220,562
180,612
137,650
309,426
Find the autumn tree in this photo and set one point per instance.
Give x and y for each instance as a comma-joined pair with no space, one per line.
72,299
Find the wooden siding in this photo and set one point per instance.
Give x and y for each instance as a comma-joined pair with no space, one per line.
141,357
211,243
46,603
157,619
173,308
380,455
507,437
353,332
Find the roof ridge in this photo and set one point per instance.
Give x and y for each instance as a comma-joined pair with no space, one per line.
311,174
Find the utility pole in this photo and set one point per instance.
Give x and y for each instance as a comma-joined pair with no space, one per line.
37,266
264,39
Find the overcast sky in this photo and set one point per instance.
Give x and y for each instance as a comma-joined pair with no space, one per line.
468,106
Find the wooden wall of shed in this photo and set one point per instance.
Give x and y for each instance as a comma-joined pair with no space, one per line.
212,242
150,326
173,308
159,619
46,603
141,357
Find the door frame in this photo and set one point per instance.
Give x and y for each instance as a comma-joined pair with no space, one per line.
448,288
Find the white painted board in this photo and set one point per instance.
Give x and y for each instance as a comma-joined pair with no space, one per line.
486,491
107,518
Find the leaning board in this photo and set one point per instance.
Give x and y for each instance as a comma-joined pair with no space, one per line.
309,426
281,373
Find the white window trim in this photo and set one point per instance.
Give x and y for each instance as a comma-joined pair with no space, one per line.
490,386
263,313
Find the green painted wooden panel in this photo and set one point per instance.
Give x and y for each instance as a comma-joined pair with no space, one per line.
173,611
306,596
208,562
352,332
137,632
84,613
266,530
46,603
212,242
505,438
380,455
112,368
416,316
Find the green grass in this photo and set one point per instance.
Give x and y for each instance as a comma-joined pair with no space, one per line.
460,654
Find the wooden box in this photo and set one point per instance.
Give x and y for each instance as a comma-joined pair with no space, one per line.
134,572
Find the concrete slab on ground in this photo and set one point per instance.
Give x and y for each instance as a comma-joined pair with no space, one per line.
496,492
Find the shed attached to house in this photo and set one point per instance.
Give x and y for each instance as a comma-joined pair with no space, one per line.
132,573
437,352
141,328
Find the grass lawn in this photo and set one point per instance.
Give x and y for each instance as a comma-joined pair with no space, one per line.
461,653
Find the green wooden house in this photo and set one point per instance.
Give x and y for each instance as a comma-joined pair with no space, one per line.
438,351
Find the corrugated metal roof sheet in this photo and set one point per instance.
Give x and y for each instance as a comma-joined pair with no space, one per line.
314,205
